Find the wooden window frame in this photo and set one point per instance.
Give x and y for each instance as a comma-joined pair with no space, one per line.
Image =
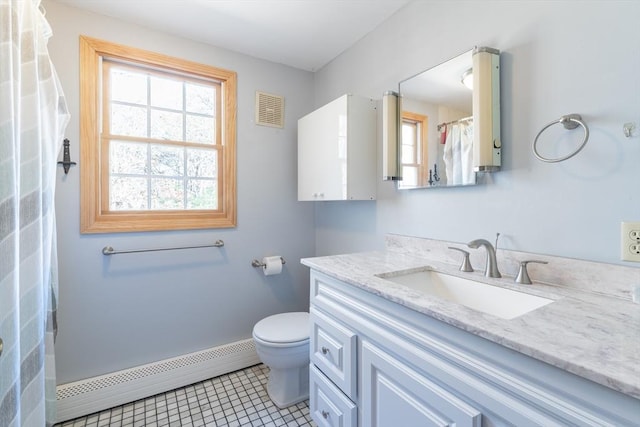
95,216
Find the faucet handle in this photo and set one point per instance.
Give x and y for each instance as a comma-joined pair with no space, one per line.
466,264
523,275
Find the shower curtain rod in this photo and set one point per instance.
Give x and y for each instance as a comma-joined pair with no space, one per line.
464,119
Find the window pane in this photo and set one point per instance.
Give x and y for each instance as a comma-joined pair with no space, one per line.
201,129
202,163
202,194
127,193
128,121
166,93
409,135
166,125
200,99
408,154
167,193
167,160
128,87
128,157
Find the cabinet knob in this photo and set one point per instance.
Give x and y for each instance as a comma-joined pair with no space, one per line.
324,350
325,414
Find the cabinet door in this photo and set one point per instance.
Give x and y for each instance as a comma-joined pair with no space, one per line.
394,394
322,152
327,405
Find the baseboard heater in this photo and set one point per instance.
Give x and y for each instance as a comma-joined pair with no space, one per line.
96,394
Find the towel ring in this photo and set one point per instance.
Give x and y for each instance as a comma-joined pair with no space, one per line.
570,121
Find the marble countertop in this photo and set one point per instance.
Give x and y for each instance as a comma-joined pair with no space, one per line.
594,336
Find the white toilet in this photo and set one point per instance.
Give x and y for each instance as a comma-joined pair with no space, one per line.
282,343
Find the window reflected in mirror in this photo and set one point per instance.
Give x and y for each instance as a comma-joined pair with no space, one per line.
414,152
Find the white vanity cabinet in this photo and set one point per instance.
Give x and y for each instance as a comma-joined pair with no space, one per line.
337,151
378,363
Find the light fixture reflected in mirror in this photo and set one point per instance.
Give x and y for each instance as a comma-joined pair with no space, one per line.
467,78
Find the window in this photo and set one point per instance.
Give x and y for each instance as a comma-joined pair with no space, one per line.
157,141
414,152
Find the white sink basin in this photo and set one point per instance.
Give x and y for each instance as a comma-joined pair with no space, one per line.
499,302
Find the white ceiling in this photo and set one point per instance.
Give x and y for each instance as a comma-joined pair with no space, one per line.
305,34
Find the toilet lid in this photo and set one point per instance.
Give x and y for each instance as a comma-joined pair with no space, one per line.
284,327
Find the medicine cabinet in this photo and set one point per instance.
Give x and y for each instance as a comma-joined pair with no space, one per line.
448,122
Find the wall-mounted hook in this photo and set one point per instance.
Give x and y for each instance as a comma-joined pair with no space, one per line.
628,129
66,157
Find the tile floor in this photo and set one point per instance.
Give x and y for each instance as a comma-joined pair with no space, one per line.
235,399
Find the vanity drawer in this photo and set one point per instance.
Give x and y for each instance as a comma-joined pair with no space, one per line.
327,405
333,351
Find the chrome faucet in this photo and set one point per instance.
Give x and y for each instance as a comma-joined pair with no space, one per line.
491,270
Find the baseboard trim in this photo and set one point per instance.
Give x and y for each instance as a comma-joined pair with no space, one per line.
95,394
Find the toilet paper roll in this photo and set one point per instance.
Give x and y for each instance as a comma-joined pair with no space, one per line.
272,265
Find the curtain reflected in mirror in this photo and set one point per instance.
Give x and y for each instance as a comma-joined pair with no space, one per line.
458,151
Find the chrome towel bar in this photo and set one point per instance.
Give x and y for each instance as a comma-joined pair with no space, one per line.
108,250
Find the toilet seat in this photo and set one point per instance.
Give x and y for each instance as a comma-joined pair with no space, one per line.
281,345
283,329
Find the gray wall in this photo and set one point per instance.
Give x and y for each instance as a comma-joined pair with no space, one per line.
126,310
558,57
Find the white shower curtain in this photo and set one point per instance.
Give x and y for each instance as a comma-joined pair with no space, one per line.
458,154
33,116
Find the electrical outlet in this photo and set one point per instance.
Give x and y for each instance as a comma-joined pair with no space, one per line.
630,241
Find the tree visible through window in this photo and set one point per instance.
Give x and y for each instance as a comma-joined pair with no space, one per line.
162,146
162,140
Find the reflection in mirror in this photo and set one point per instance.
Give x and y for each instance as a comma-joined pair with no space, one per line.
436,146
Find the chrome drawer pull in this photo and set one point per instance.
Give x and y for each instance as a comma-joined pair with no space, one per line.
325,414
325,350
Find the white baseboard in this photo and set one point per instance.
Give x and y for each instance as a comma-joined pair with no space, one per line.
95,394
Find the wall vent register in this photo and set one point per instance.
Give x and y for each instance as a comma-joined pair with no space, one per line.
269,110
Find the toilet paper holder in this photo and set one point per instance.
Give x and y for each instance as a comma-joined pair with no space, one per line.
257,263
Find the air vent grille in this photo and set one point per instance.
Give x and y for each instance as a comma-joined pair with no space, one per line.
269,110
66,391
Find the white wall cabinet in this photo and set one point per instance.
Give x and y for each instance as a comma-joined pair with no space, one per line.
377,363
337,151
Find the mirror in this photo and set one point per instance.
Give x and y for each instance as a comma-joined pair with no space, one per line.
441,120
